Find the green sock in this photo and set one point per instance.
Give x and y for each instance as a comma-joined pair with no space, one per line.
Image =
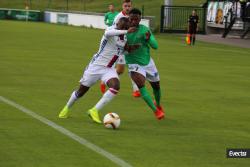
157,93
147,98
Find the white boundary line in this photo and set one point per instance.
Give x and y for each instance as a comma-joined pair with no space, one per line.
68,133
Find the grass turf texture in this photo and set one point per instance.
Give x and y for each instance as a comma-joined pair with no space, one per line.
205,93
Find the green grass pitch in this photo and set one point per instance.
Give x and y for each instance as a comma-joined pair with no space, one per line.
206,95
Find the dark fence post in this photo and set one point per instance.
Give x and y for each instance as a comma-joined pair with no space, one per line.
162,18
204,19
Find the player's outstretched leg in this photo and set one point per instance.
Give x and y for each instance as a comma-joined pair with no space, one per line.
140,82
74,97
114,86
157,94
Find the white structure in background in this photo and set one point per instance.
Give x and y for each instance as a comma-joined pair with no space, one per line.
95,20
168,12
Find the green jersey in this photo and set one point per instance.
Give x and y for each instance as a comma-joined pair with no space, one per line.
145,38
109,18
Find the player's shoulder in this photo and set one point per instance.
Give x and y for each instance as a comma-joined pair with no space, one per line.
143,28
110,28
117,17
108,13
120,15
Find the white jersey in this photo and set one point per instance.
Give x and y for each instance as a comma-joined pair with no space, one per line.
111,47
117,17
122,14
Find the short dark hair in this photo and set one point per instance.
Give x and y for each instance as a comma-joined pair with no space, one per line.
127,1
124,19
135,11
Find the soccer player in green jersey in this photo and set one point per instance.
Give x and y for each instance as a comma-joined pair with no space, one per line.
110,16
120,65
140,64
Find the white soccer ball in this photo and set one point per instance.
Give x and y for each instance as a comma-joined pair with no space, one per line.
111,120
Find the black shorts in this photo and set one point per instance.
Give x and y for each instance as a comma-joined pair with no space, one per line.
192,30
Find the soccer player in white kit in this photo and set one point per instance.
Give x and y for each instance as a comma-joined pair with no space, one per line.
120,65
100,68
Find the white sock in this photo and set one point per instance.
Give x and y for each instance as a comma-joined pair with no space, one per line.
106,98
72,99
135,88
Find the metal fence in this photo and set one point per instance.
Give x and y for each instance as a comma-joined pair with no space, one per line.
175,18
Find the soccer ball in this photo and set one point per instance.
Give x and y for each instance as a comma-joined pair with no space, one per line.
111,120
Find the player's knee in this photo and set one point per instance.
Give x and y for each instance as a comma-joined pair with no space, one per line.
139,83
116,87
114,83
114,91
138,79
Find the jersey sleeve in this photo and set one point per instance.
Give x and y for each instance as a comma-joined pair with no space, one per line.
149,37
116,19
153,42
114,32
105,18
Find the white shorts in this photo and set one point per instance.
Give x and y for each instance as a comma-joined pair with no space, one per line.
149,71
121,60
93,73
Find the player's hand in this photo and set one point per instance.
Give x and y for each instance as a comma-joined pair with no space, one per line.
148,35
131,29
